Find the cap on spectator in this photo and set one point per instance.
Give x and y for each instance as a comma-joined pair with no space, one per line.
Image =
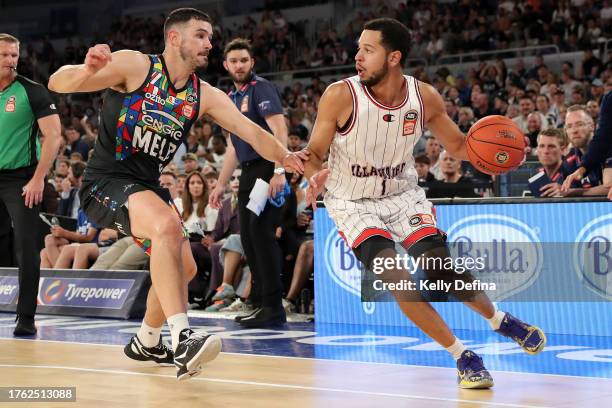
597,82
189,156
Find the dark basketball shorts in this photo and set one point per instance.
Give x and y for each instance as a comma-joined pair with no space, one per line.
105,201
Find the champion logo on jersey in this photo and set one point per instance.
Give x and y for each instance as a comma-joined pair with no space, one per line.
389,117
410,120
10,104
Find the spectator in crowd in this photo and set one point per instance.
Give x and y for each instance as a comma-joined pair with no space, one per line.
69,203
74,142
432,151
543,107
124,254
302,270
80,255
527,106
579,127
451,109
592,108
217,152
466,119
453,182
534,126
190,162
60,238
180,187
197,214
422,164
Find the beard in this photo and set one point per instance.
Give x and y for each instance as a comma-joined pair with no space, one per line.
376,77
241,78
193,60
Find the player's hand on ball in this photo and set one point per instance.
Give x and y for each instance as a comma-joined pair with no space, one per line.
97,57
315,186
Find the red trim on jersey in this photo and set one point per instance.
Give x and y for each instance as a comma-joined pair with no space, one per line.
353,118
419,235
416,84
370,232
383,106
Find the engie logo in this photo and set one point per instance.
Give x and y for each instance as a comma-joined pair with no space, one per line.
593,256
84,292
511,250
9,287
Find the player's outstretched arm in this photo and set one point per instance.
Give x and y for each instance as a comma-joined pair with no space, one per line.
122,70
441,125
218,105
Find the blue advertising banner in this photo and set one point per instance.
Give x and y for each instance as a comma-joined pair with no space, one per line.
95,293
564,254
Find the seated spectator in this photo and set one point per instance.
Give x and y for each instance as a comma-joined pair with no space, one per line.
432,151
466,119
421,164
592,108
124,254
180,188
303,269
61,167
295,143
534,127
453,183
190,163
580,127
80,255
59,238
211,180
74,142
228,223
168,181
235,270
69,203
554,169
195,209
217,154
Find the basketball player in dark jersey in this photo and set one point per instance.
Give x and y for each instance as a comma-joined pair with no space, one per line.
152,102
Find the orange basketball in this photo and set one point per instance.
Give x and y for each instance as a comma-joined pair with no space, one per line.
495,145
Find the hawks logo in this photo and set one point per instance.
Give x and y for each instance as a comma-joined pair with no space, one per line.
10,104
502,157
388,117
410,120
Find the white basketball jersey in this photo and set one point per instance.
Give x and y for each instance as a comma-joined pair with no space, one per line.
372,156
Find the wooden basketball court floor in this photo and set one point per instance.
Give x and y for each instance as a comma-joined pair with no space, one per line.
104,377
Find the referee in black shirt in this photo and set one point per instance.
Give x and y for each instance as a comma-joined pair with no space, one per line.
259,100
26,110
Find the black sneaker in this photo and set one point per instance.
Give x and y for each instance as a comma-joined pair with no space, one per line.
161,353
249,314
266,316
193,350
25,326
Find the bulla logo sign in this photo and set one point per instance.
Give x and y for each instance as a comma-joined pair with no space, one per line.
593,255
511,251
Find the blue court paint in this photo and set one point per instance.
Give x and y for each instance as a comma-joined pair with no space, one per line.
589,356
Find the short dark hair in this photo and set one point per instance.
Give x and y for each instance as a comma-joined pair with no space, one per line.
220,137
183,15
423,159
238,44
395,36
78,168
168,173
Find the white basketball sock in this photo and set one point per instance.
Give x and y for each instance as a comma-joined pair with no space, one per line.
456,349
148,336
177,324
497,319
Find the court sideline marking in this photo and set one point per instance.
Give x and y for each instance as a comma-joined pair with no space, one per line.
275,385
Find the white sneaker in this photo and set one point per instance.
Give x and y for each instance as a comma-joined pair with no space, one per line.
288,306
237,306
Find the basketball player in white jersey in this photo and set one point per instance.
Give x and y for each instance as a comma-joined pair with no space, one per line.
370,123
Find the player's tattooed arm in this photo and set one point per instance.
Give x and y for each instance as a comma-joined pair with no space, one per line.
122,70
441,125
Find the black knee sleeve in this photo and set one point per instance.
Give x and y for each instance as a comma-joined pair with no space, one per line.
370,249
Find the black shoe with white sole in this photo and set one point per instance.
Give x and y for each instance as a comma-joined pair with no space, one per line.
161,354
193,350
